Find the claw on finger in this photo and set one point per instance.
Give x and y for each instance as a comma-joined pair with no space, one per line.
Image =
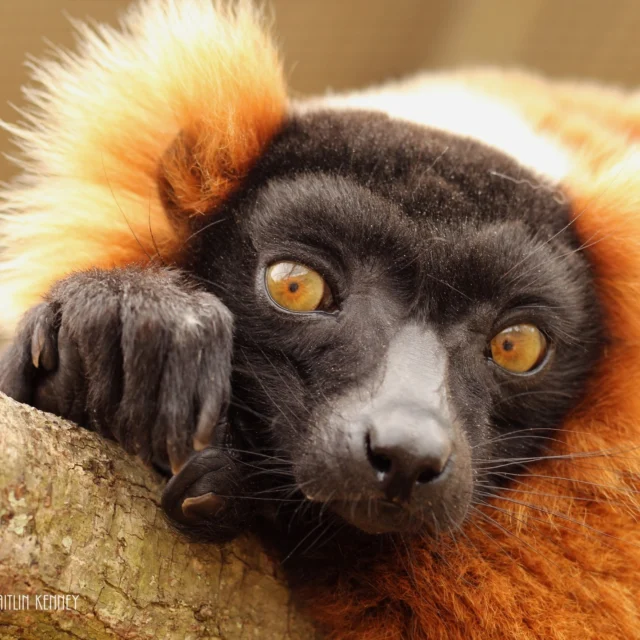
43,349
177,460
176,467
203,436
37,344
206,505
199,444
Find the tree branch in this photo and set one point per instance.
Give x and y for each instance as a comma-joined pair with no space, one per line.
80,517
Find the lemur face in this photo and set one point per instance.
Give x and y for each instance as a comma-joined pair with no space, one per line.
413,317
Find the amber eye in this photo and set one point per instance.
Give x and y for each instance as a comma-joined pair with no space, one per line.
519,349
295,287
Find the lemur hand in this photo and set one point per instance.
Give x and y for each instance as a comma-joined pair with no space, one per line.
136,354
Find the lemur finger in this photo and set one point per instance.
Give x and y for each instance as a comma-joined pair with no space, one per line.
101,354
214,381
176,410
210,471
44,340
209,418
206,499
17,372
213,393
63,391
202,340
145,343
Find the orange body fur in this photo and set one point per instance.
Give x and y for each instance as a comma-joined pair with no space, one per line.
192,95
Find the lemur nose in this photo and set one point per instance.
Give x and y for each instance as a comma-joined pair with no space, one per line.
407,446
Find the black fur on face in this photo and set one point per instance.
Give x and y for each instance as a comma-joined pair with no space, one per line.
387,409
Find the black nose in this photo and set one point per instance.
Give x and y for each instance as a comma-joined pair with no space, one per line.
407,446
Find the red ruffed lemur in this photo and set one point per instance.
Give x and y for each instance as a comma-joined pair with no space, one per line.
396,333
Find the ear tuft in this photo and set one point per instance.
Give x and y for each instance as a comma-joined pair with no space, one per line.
182,98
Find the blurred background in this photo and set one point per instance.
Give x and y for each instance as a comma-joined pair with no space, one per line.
351,43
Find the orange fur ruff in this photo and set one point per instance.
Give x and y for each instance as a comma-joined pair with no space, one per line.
188,88
561,559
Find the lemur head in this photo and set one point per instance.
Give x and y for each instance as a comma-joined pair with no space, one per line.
414,317
412,310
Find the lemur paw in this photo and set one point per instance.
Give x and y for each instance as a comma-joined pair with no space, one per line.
206,498
136,354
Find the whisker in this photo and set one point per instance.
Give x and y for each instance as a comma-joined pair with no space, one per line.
562,516
113,195
199,231
499,491
487,518
516,436
515,476
153,239
603,453
491,539
571,222
306,537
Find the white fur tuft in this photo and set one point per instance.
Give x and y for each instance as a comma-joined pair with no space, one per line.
445,102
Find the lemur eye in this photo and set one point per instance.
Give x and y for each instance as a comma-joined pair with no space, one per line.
519,349
296,287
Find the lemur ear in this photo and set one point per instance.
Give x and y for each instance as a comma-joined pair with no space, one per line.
195,174
210,156
182,179
141,128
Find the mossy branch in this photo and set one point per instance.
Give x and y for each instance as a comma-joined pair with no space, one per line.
80,517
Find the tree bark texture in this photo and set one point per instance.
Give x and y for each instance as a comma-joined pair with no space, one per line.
79,517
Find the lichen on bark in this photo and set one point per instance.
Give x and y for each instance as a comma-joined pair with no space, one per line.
78,516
